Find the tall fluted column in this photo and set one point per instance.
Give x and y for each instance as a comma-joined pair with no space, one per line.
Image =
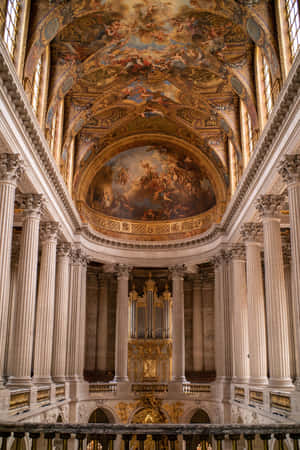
121,347
290,171
45,305
59,353
252,232
76,325
10,171
26,292
178,364
101,347
240,314
278,345
82,327
198,357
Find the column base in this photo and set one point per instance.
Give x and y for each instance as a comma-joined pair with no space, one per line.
297,384
19,382
41,380
282,382
241,380
118,379
59,379
180,379
259,381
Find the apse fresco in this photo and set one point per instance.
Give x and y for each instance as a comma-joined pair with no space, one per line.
151,182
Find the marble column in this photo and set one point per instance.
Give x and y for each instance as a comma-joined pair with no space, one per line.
10,171
122,323
276,304
26,291
178,351
198,357
76,323
252,234
102,330
240,314
290,171
45,305
59,353
82,327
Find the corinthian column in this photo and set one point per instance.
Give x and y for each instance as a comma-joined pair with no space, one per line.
198,356
101,347
240,314
10,171
278,345
26,291
76,325
178,351
59,353
45,305
121,347
252,233
290,171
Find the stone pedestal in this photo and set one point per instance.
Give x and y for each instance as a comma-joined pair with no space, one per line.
121,347
252,234
10,171
45,305
61,313
26,291
276,303
178,351
290,171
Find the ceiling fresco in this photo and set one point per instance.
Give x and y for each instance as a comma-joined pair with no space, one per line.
131,68
151,182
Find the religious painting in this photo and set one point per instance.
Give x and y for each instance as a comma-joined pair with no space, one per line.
151,182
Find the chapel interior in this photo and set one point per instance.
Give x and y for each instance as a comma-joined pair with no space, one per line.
149,224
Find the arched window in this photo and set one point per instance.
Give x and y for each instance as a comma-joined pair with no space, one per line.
293,17
250,134
267,86
11,23
53,132
36,86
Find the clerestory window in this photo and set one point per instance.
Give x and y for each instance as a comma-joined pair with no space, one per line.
293,17
11,23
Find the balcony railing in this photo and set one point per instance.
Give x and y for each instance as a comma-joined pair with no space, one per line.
105,434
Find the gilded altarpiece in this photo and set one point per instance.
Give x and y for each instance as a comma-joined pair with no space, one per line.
150,344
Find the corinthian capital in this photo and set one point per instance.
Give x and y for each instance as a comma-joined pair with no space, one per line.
251,232
177,271
268,205
289,168
64,249
123,270
79,257
11,167
49,230
31,203
237,251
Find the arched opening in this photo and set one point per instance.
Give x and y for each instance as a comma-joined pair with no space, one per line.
97,416
200,416
149,414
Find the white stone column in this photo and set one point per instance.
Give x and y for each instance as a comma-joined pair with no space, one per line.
45,305
101,332
178,350
276,304
290,171
240,314
10,171
82,327
198,357
62,290
76,323
26,291
121,347
252,234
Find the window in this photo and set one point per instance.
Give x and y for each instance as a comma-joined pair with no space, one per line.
268,86
10,27
53,132
250,134
36,86
292,9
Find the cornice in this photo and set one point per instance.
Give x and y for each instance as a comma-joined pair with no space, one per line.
15,93
18,100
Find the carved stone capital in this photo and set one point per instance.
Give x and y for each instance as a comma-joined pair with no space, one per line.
64,249
251,232
177,271
237,252
123,270
49,231
79,257
11,167
32,204
289,169
268,205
